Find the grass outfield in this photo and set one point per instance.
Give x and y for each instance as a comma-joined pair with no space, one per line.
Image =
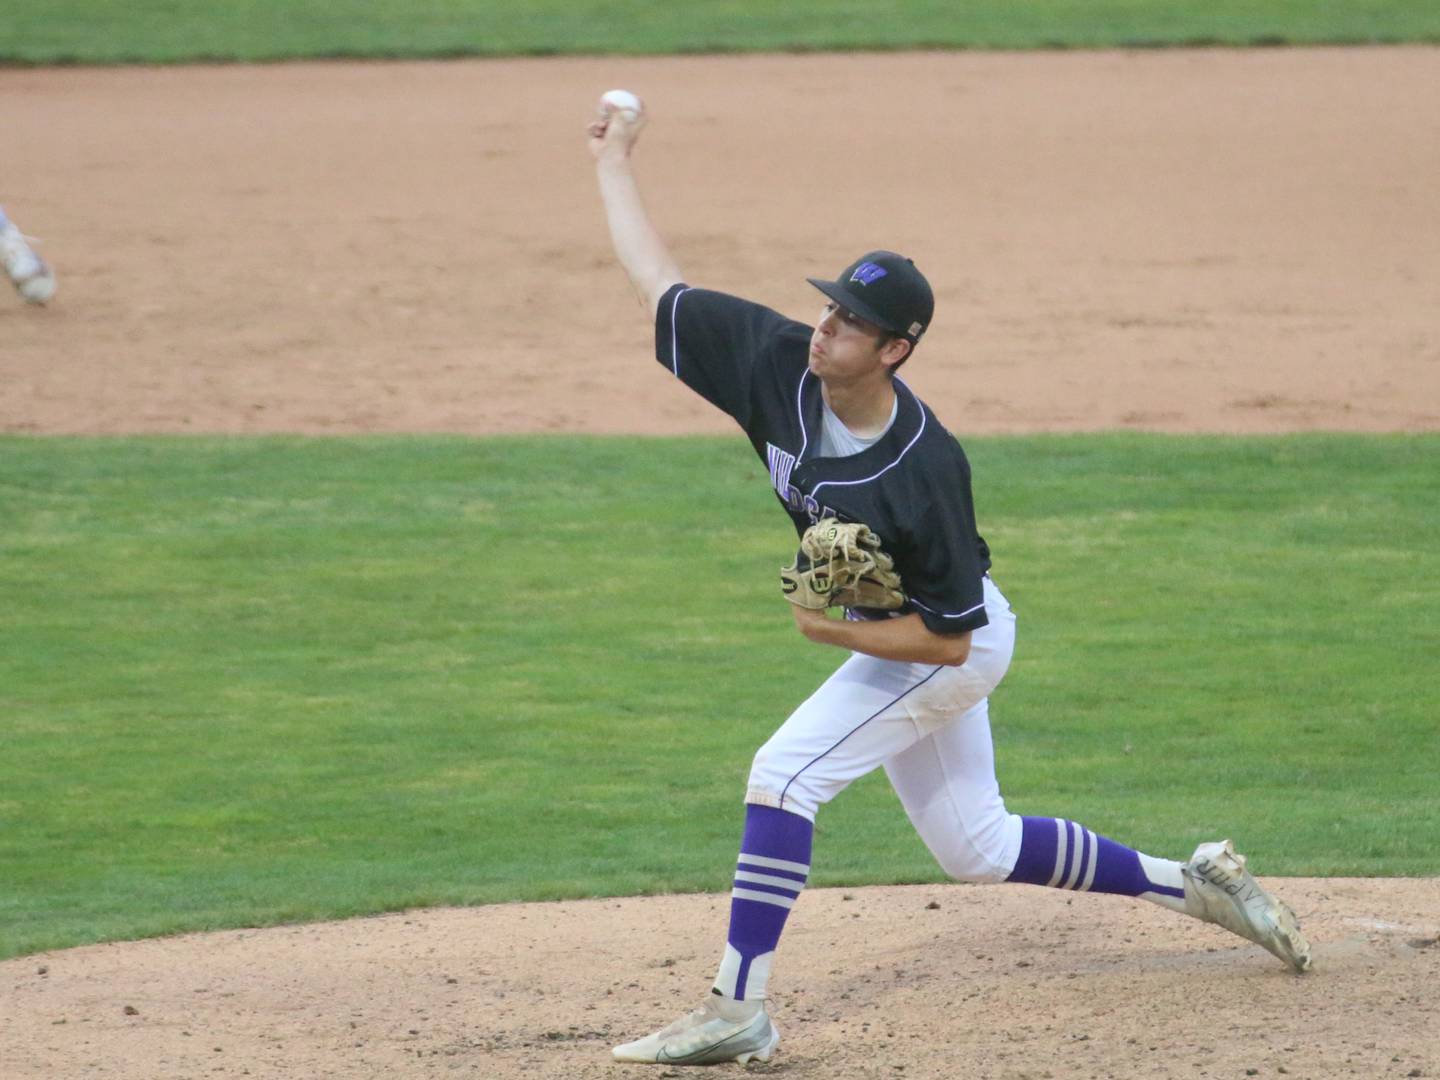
247,681
141,31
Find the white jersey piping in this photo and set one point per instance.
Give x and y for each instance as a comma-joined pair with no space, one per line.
805,438
674,333
946,615
800,414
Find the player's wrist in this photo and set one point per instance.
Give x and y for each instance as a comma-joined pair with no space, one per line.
820,628
613,158
811,622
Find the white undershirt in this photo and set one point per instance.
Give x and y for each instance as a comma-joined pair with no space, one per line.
836,440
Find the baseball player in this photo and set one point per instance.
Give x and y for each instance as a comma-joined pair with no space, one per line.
844,438
31,275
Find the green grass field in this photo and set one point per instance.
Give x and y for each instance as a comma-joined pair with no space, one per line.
246,681
131,31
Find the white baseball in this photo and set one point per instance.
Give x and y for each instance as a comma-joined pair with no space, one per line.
625,103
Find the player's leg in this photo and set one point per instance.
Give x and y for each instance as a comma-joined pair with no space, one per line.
732,1024
947,784
866,712
846,729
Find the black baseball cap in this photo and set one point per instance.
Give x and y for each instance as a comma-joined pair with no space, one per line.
886,289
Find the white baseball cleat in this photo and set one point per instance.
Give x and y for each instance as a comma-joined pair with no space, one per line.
1220,890
709,1036
33,278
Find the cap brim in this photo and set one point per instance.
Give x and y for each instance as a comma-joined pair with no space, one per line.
837,291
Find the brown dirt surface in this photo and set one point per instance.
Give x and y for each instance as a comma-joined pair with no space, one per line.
1180,241
1002,981
1187,241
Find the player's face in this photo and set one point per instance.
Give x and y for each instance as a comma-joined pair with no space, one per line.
844,346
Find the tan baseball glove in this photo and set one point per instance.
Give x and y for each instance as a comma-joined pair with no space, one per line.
840,565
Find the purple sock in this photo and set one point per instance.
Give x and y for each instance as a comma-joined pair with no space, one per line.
774,863
1064,855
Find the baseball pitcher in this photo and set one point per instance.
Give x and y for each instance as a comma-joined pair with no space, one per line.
880,496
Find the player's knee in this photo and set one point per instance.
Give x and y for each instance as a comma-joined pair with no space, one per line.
774,781
762,769
766,773
973,867
981,854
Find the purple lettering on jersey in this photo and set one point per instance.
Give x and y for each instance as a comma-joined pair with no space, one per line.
781,463
868,273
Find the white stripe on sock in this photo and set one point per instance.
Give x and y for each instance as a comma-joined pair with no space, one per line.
1075,864
1094,863
763,897
775,864
767,879
1061,843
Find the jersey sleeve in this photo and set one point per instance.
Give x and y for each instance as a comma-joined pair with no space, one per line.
948,561
714,343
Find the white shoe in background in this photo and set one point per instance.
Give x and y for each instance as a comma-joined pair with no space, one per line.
33,278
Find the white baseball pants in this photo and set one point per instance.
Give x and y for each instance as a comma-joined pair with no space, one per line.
928,726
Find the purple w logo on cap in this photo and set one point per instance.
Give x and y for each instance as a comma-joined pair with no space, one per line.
867,273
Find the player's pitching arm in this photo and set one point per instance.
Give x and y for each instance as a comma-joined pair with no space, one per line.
638,246
905,638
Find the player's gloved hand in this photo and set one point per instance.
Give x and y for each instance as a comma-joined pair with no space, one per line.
841,565
806,585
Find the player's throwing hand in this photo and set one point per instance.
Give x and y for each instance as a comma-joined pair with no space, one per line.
619,116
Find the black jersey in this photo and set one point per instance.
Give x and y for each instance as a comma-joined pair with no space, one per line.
912,487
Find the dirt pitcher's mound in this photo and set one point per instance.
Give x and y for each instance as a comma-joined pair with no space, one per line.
917,982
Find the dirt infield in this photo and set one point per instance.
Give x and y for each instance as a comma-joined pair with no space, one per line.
1180,241
1188,241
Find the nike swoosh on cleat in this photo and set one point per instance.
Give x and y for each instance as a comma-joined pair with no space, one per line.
664,1055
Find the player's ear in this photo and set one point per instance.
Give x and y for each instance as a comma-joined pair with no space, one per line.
895,352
